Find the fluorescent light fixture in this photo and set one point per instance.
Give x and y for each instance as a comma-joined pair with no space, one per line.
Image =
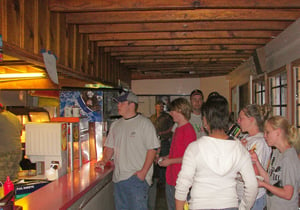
98,85
21,75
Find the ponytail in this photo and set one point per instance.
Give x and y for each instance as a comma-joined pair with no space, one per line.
293,137
289,130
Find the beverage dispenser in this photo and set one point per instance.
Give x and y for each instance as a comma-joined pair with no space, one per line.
46,143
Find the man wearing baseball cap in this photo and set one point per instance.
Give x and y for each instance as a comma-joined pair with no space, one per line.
132,142
196,99
10,145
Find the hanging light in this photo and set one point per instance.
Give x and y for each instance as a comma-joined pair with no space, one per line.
22,75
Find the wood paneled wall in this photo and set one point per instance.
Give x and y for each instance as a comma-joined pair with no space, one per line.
28,25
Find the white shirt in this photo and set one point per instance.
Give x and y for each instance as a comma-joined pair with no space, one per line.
263,152
131,139
196,121
210,167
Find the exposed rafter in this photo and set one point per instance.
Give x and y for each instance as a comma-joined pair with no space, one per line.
180,38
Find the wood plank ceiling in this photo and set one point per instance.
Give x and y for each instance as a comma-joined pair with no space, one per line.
179,38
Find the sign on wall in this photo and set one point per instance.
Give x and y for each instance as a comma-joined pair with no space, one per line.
83,103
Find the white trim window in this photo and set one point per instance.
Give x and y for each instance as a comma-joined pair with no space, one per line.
259,92
278,94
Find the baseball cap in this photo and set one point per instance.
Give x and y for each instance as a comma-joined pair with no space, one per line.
196,92
126,96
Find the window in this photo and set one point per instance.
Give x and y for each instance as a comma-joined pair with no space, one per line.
259,92
297,99
278,94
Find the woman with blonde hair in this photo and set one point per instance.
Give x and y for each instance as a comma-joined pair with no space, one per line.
282,178
251,120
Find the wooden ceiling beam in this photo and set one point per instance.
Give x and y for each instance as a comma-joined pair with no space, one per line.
244,56
195,68
182,64
181,15
177,62
183,35
140,76
228,68
218,68
180,38
181,60
204,68
191,71
183,42
194,52
181,48
101,5
162,74
184,26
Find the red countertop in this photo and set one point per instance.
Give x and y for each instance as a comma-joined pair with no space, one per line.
63,192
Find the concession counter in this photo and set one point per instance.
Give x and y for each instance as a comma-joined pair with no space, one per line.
84,188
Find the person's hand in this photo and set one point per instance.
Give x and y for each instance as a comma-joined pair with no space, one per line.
260,183
244,142
100,164
141,175
164,162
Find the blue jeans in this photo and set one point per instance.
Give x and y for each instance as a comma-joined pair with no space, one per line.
170,196
260,203
131,194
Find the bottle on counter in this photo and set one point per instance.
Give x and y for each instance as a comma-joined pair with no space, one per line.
8,186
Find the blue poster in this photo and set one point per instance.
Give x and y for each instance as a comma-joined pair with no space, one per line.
83,103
